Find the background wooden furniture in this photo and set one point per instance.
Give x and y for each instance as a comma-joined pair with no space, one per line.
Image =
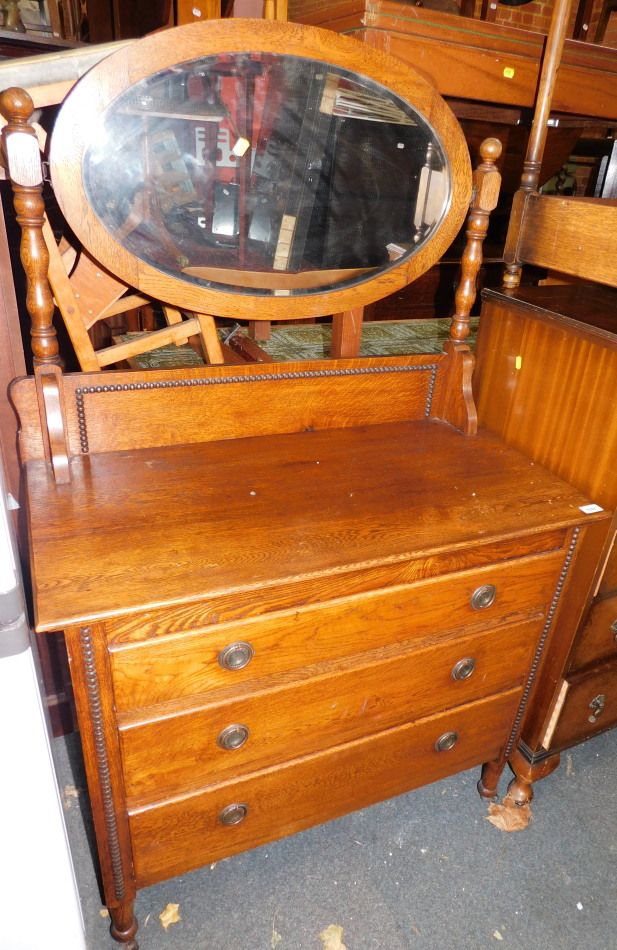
538,405
489,76
494,64
545,382
88,294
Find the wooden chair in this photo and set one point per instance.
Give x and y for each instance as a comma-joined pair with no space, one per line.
86,294
84,291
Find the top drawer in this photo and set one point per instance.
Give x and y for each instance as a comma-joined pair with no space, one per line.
149,672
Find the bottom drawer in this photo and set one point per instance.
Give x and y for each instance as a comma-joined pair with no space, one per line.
587,706
179,835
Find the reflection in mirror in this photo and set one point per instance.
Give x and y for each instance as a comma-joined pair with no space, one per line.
266,174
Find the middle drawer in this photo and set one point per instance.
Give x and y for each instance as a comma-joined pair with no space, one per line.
167,750
187,664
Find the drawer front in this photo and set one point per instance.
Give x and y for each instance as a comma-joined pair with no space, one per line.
598,638
589,707
189,664
216,741
177,836
608,584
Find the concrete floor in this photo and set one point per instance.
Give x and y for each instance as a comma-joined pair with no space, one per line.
424,871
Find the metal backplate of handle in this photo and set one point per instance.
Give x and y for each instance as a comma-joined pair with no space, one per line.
597,706
483,596
235,656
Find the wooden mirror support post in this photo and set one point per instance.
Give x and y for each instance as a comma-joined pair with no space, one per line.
22,157
486,184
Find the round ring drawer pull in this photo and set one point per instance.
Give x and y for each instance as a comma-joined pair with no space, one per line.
236,656
233,814
483,596
233,737
447,741
464,668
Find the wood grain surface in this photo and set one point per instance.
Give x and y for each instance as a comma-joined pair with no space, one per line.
568,372
174,524
203,405
188,664
474,59
183,833
577,720
561,234
598,639
319,707
546,375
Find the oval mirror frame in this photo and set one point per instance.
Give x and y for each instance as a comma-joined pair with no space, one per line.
80,117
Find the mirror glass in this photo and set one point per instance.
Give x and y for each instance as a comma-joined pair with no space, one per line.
266,174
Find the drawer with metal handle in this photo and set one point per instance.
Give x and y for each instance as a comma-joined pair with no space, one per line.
230,654
587,705
211,823
293,716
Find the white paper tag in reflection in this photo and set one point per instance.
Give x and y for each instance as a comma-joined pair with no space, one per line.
241,147
431,196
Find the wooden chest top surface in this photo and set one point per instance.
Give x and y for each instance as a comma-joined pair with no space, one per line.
157,527
577,306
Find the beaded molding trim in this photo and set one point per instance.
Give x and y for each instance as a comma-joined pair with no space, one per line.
96,716
226,380
547,626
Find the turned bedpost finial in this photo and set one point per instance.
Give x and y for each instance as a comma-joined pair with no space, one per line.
486,184
23,160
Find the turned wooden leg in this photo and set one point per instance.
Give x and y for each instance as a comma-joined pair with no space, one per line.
124,925
491,773
525,773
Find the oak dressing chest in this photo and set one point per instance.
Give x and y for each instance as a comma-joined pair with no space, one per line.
293,590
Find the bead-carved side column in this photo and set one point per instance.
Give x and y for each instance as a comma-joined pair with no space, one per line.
22,157
491,771
91,675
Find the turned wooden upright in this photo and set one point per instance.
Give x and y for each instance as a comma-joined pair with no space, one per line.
22,158
537,141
